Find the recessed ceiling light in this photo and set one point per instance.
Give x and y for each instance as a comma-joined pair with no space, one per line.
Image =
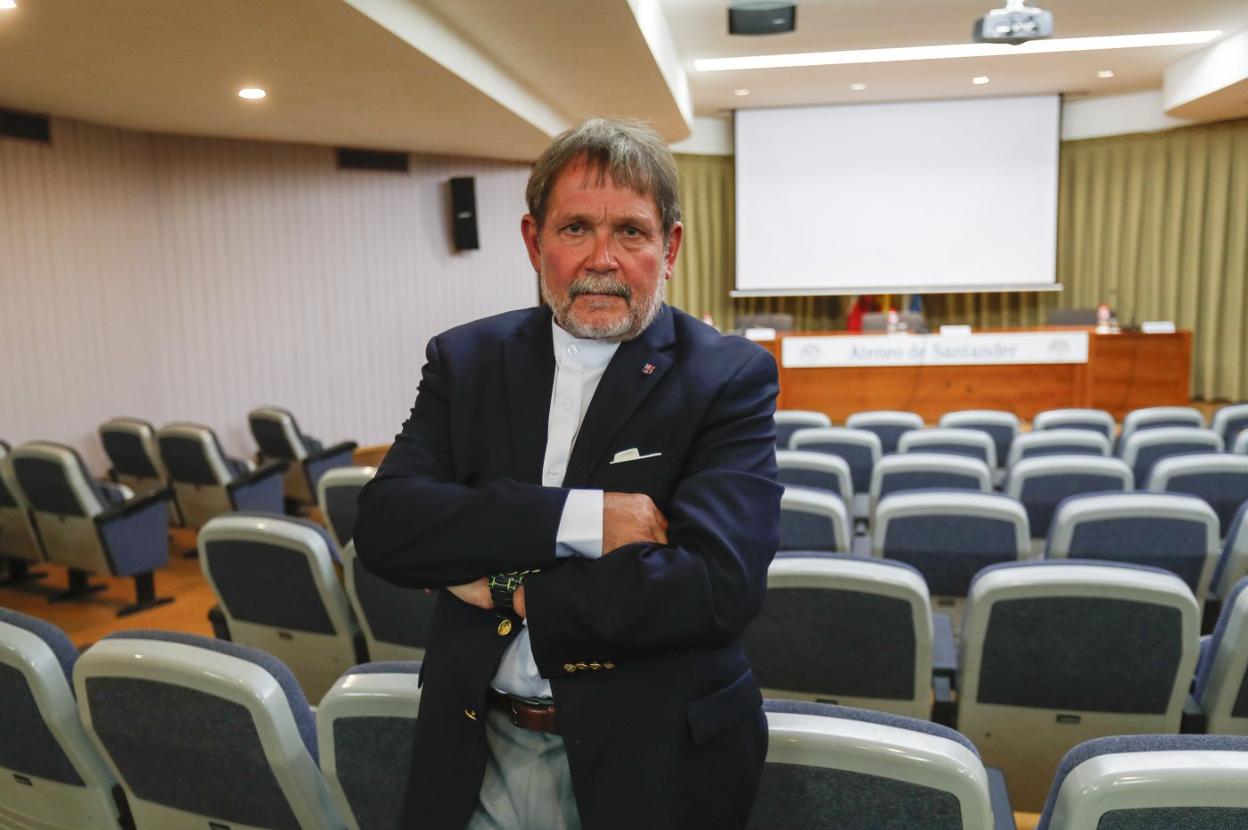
979,80
8,5
252,93
742,92
1105,73
857,87
953,50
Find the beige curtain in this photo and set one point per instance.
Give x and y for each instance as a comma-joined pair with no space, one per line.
1155,224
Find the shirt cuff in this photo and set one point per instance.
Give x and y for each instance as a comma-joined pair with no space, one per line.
580,527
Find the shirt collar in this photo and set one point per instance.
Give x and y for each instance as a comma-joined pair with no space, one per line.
592,354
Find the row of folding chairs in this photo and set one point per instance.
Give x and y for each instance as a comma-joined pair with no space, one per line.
156,729
1050,654
1229,422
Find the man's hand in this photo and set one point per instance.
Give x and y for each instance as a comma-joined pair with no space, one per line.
474,593
629,518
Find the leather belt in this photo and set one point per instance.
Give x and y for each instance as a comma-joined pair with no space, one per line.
533,717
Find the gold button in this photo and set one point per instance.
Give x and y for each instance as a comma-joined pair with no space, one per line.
504,627
595,666
470,714
569,667
582,666
608,665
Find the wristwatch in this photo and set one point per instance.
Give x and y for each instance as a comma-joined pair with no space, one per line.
503,588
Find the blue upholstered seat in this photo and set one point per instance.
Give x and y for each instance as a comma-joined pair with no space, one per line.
203,733
836,767
279,438
818,471
1056,652
1058,442
1000,425
338,495
1096,420
207,482
889,425
1221,479
396,621
1233,562
51,776
90,526
1161,417
367,725
1230,421
1222,677
274,576
927,471
848,630
814,520
1151,782
972,443
18,543
789,421
1043,483
1142,449
860,449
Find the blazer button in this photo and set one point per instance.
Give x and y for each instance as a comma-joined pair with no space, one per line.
471,715
569,667
608,665
504,627
582,666
595,666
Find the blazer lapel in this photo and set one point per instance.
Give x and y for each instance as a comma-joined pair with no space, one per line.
529,372
633,373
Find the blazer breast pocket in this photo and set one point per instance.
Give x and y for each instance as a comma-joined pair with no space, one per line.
646,468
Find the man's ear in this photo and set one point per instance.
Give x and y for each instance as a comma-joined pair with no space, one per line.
674,238
531,232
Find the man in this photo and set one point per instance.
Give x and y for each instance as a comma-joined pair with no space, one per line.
594,483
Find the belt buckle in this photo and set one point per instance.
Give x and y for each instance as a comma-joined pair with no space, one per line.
511,704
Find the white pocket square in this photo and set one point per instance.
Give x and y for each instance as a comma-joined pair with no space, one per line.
624,456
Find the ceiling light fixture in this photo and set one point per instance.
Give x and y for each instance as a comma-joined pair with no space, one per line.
952,50
1105,73
8,5
742,92
252,93
979,80
857,87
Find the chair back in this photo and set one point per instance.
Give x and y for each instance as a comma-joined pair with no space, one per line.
860,449
814,520
1096,420
1000,425
1043,483
1143,448
789,421
817,471
17,531
338,495
1158,417
277,434
64,500
130,444
928,471
1058,442
888,424
1222,676
1221,479
972,443
199,471
1230,421
396,621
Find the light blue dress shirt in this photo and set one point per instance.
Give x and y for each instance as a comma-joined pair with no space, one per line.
579,365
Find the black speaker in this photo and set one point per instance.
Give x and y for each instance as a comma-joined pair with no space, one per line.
464,213
384,161
27,125
761,17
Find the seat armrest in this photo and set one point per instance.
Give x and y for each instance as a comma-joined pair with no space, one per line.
1194,720
1002,811
135,505
944,648
266,470
329,452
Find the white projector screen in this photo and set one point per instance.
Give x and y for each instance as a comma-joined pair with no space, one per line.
930,196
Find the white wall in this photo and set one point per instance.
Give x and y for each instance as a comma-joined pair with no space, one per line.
175,278
1136,112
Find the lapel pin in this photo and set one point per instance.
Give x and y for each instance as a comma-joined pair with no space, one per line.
648,369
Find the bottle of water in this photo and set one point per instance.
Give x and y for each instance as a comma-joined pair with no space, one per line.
893,321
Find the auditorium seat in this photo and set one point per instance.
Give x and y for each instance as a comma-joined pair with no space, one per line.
1042,483
836,767
860,449
19,546
203,733
1058,442
1220,479
926,471
817,470
207,482
275,580
1054,653
338,495
1230,422
1002,426
130,444
51,776
1233,563
1144,448
279,438
950,535
1157,417
367,726
91,526
847,630
1240,446
1151,782
1175,532
814,520
1222,676
789,421
778,320
1096,420
396,621
888,424
971,443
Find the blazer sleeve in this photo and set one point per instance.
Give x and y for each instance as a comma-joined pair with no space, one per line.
708,582
419,528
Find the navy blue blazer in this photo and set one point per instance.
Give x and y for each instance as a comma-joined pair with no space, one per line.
657,706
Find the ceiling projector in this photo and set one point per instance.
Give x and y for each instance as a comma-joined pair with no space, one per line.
1016,23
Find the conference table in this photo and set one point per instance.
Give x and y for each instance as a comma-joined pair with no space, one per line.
1023,371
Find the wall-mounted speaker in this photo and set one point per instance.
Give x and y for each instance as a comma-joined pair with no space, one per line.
761,17
464,213
27,125
380,160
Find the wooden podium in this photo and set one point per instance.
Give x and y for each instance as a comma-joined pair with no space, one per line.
1124,371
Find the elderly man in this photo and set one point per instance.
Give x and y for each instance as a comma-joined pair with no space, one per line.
593,481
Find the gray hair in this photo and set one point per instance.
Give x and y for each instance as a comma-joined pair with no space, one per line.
634,155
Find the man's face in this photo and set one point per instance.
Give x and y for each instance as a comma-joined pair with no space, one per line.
600,255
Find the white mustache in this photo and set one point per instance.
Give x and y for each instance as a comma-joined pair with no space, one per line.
598,284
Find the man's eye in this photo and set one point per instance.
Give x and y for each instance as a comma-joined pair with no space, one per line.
633,232
575,227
